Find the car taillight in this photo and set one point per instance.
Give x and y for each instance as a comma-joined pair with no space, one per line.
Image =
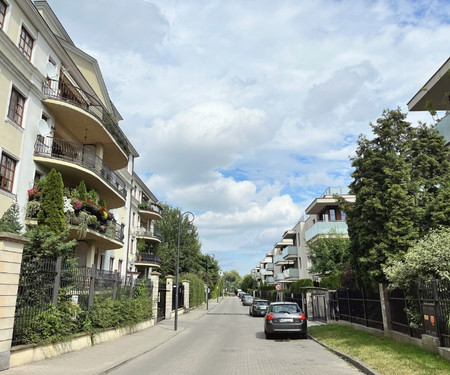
269,316
302,317
255,307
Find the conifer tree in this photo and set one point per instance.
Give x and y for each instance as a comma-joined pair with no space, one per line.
10,222
52,206
400,181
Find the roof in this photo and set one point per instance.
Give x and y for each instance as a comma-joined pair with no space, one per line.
435,91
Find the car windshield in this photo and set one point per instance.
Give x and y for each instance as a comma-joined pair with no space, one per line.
285,308
262,303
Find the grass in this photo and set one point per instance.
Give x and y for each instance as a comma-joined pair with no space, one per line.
382,354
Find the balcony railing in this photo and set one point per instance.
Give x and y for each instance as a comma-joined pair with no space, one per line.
291,273
74,95
76,153
148,258
290,252
153,207
324,227
270,280
142,232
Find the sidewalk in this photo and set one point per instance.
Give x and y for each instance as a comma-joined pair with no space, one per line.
112,353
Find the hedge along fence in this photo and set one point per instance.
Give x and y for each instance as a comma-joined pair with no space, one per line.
196,289
57,300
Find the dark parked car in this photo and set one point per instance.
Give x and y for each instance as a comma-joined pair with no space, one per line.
258,307
285,318
247,300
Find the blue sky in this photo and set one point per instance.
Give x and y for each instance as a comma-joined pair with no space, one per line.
244,111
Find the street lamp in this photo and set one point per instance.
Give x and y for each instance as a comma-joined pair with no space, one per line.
189,229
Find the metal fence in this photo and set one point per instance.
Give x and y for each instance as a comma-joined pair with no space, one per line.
42,282
357,306
423,308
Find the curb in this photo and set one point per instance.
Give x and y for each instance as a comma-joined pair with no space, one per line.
356,363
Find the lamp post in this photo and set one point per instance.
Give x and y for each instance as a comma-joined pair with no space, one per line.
189,229
207,281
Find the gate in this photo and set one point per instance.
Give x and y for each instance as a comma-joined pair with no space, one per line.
161,314
318,307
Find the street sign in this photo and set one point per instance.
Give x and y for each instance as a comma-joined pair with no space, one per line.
278,286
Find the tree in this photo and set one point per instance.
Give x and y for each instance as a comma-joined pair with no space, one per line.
10,222
399,180
190,246
232,279
428,259
46,244
327,253
51,212
248,283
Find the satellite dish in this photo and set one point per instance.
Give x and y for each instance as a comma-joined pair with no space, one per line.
50,69
43,128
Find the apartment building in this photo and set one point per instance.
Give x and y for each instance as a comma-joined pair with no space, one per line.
57,114
289,256
435,95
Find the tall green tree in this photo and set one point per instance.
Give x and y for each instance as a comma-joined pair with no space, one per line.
248,283
328,253
232,279
10,221
190,246
400,178
51,212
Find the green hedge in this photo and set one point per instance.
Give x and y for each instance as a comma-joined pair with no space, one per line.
196,289
61,323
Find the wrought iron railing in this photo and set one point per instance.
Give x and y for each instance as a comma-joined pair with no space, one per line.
142,232
69,93
148,258
78,154
153,207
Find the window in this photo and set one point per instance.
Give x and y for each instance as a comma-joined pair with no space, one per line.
16,106
3,7
26,43
7,169
111,264
119,267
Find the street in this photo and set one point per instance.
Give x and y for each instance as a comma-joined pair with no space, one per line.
227,340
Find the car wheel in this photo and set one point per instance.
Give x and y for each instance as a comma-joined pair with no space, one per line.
268,335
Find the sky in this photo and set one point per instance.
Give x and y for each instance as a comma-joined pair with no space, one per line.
245,111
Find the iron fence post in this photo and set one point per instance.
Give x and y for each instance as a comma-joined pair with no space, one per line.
56,285
91,287
437,310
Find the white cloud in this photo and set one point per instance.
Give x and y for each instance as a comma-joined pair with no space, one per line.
245,111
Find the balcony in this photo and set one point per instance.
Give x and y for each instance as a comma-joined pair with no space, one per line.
290,252
150,211
270,266
148,260
279,277
270,280
279,260
84,115
148,234
291,273
265,272
324,227
76,163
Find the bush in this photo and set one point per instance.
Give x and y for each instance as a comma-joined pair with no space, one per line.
296,286
197,293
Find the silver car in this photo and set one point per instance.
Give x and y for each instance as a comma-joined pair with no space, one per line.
247,299
285,318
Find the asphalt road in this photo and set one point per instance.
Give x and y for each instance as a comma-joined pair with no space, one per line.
227,340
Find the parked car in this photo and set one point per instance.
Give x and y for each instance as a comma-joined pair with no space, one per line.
258,307
285,318
247,300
